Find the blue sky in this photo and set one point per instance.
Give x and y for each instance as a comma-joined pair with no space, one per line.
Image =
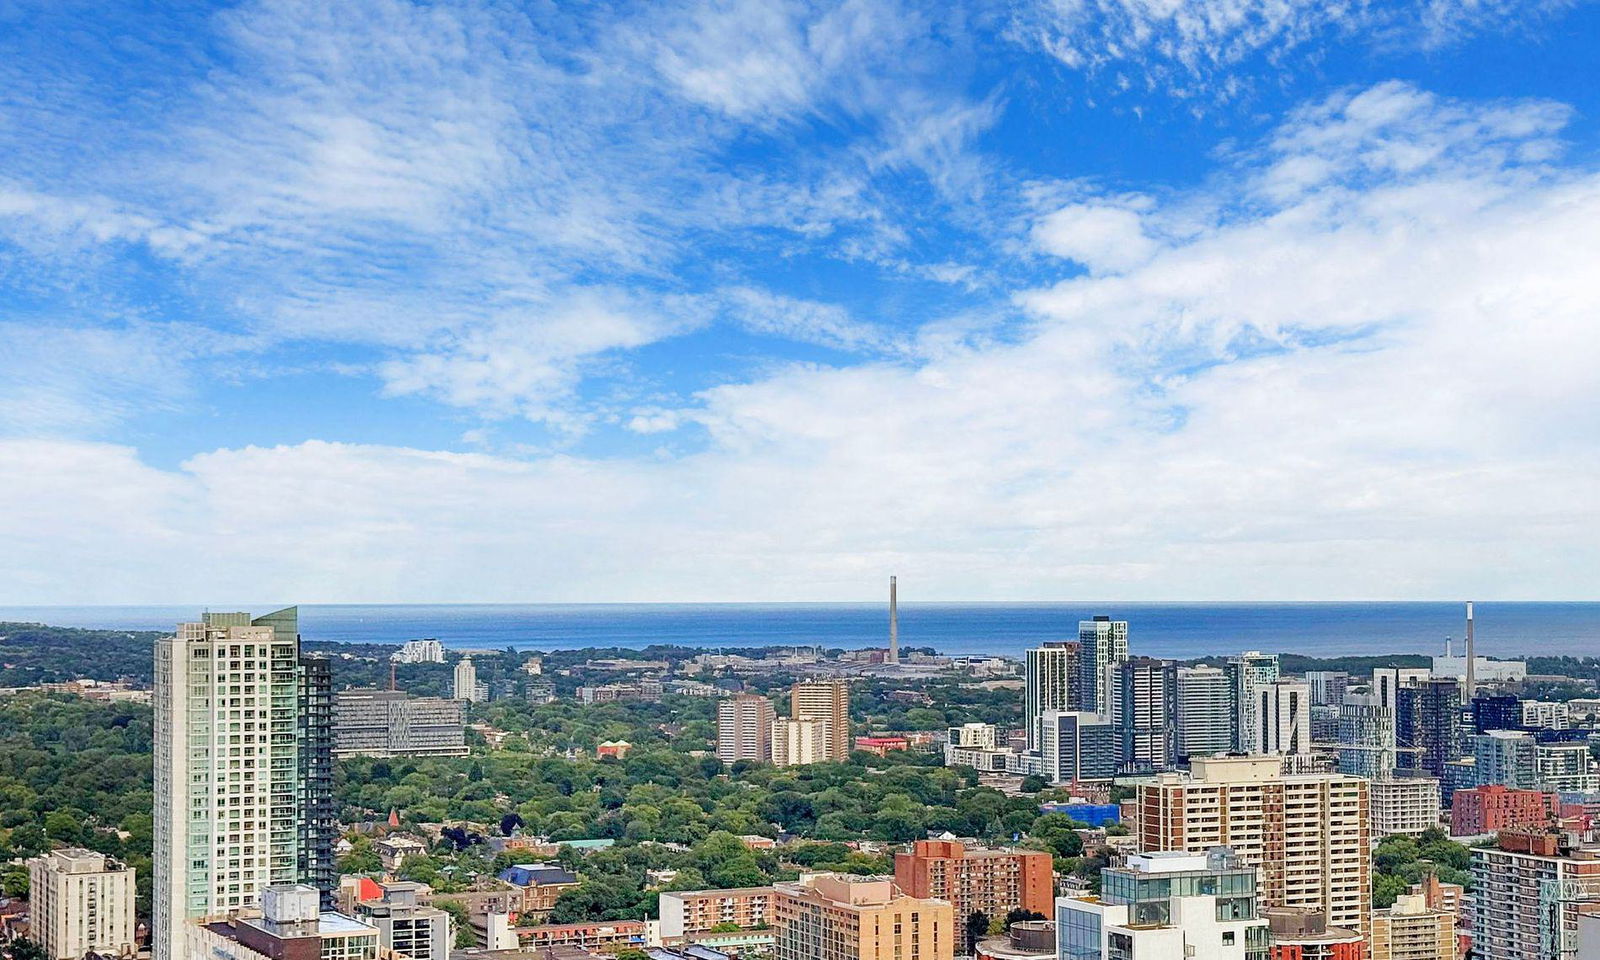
764,301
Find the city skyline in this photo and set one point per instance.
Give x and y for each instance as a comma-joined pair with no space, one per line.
703,301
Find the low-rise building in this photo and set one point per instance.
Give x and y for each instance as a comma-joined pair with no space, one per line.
289,926
1403,805
393,850
688,914
1171,904
1301,934
882,746
1024,940
1492,808
615,749
405,925
541,885
1411,930
977,880
81,902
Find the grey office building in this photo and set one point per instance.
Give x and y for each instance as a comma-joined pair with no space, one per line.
389,723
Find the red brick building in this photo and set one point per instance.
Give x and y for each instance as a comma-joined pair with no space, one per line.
1493,808
991,882
882,745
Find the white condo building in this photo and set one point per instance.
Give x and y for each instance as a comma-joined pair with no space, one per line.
79,902
799,743
467,686
1166,906
419,651
1051,683
1105,646
1282,722
1248,673
227,758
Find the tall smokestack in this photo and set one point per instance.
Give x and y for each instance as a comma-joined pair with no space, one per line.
1472,656
894,623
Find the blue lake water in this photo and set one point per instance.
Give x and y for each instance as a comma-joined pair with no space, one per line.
1155,629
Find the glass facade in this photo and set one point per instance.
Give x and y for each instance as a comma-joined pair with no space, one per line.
1078,934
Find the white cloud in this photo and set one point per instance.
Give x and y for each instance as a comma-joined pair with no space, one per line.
806,321
1199,48
1104,238
1378,384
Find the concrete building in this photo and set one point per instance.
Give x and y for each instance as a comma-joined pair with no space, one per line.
1388,681
1145,699
798,743
976,880
242,769
1529,761
839,917
744,728
981,736
1411,930
827,700
1305,935
1052,681
1204,714
1484,670
419,651
405,925
1328,687
687,914
1545,714
1247,673
1105,645
1403,805
392,723
1023,940
1367,744
1495,807
290,925
1166,905
1528,893
1308,834
1282,722
1077,747
79,902
467,687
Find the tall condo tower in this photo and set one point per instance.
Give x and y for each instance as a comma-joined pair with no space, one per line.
242,792
1472,656
827,700
1105,646
894,624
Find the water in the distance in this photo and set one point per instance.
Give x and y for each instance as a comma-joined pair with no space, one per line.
1179,630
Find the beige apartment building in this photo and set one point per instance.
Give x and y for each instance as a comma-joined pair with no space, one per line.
797,743
1411,930
825,700
841,917
744,728
686,914
79,902
1308,834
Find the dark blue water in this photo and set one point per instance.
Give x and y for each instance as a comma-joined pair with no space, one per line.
1155,629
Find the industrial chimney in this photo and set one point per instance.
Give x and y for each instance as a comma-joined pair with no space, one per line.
894,624
1472,657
